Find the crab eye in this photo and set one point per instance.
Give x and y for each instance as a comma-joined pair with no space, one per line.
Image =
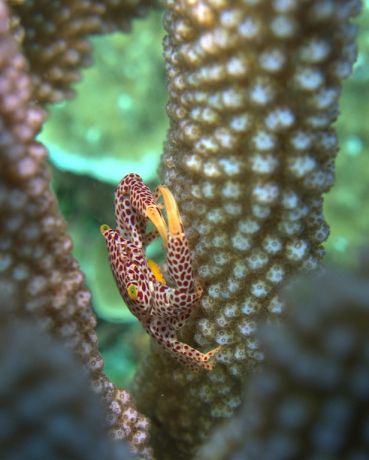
104,228
132,291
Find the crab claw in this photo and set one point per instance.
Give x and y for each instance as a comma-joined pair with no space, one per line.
174,219
152,212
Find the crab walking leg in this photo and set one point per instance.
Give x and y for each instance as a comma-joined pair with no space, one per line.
142,200
125,185
173,305
184,353
179,262
178,252
117,247
131,224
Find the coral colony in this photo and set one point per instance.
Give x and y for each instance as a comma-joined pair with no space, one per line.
253,93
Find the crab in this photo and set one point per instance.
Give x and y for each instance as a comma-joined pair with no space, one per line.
161,305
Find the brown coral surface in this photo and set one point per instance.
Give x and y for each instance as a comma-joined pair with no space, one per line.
47,409
253,89
311,398
54,36
38,275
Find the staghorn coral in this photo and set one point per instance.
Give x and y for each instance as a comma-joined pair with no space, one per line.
54,38
134,99
253,88
47,410
38,274
118,14
311,398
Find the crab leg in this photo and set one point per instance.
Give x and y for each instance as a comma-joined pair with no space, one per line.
131,224
142,201
179,262
182,352
178,252
173,304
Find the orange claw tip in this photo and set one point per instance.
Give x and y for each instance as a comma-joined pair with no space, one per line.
174,218
104,228
153,213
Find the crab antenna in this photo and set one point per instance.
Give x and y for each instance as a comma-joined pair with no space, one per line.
153,213
174,218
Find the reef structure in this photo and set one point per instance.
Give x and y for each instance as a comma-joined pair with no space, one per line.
253,88
310,399
48,409
253,92
39,277
54,37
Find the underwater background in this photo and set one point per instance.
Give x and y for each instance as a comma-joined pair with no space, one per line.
117,124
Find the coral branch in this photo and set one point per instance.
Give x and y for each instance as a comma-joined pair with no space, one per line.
254,88
38,275
48,410
310,399
55,38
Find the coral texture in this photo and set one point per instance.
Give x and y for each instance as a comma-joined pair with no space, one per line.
253,88
311,398
38,274
54,37
47,409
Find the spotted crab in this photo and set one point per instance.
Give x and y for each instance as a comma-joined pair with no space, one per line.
162,306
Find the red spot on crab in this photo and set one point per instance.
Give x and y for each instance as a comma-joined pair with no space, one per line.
161,309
